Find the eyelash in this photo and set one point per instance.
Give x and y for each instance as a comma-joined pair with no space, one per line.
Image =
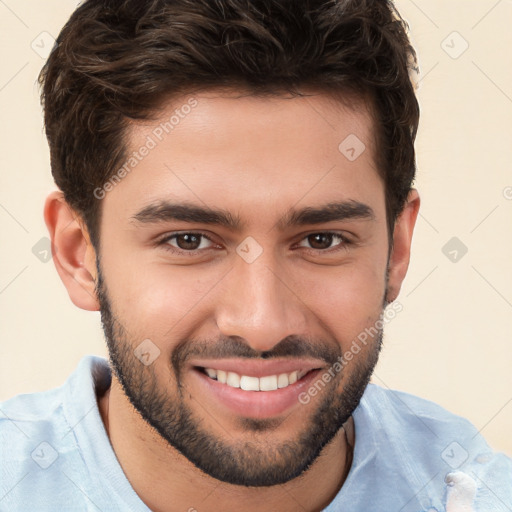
163,242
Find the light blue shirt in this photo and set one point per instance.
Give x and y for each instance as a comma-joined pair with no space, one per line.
410,456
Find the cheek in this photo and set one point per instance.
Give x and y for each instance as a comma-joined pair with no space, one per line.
166,302
348,300
156,300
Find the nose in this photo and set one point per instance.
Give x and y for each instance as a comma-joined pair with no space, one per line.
258,303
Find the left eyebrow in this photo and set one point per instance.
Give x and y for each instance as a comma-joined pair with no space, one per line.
337,211
164,211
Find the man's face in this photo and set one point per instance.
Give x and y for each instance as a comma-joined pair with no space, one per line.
275,297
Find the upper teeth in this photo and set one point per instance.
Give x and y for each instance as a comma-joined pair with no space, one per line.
267,383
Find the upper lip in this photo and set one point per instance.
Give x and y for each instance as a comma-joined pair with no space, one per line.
259,368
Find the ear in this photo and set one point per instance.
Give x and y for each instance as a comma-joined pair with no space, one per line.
73,253
402,239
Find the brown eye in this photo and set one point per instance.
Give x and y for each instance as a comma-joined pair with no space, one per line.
186,242
324,241
320,241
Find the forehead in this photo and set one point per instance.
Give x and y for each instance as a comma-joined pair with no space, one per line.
253,151
283,117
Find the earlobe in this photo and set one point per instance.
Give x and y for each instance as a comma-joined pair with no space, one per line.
73,253
402,239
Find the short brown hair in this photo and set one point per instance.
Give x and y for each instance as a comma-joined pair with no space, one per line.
118,60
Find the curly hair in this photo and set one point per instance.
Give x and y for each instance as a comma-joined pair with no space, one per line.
120,60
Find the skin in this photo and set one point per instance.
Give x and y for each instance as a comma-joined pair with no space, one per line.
256,158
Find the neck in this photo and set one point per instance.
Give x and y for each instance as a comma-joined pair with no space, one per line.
167,482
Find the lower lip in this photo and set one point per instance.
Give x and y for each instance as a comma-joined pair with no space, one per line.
255,404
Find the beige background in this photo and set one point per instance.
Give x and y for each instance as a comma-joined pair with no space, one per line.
451,343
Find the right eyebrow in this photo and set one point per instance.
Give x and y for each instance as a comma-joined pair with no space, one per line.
164,211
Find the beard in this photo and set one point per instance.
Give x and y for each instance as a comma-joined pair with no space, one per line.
252,462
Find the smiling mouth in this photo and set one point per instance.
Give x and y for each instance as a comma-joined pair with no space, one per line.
250,383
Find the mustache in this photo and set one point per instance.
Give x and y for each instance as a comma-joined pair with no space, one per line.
236,347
